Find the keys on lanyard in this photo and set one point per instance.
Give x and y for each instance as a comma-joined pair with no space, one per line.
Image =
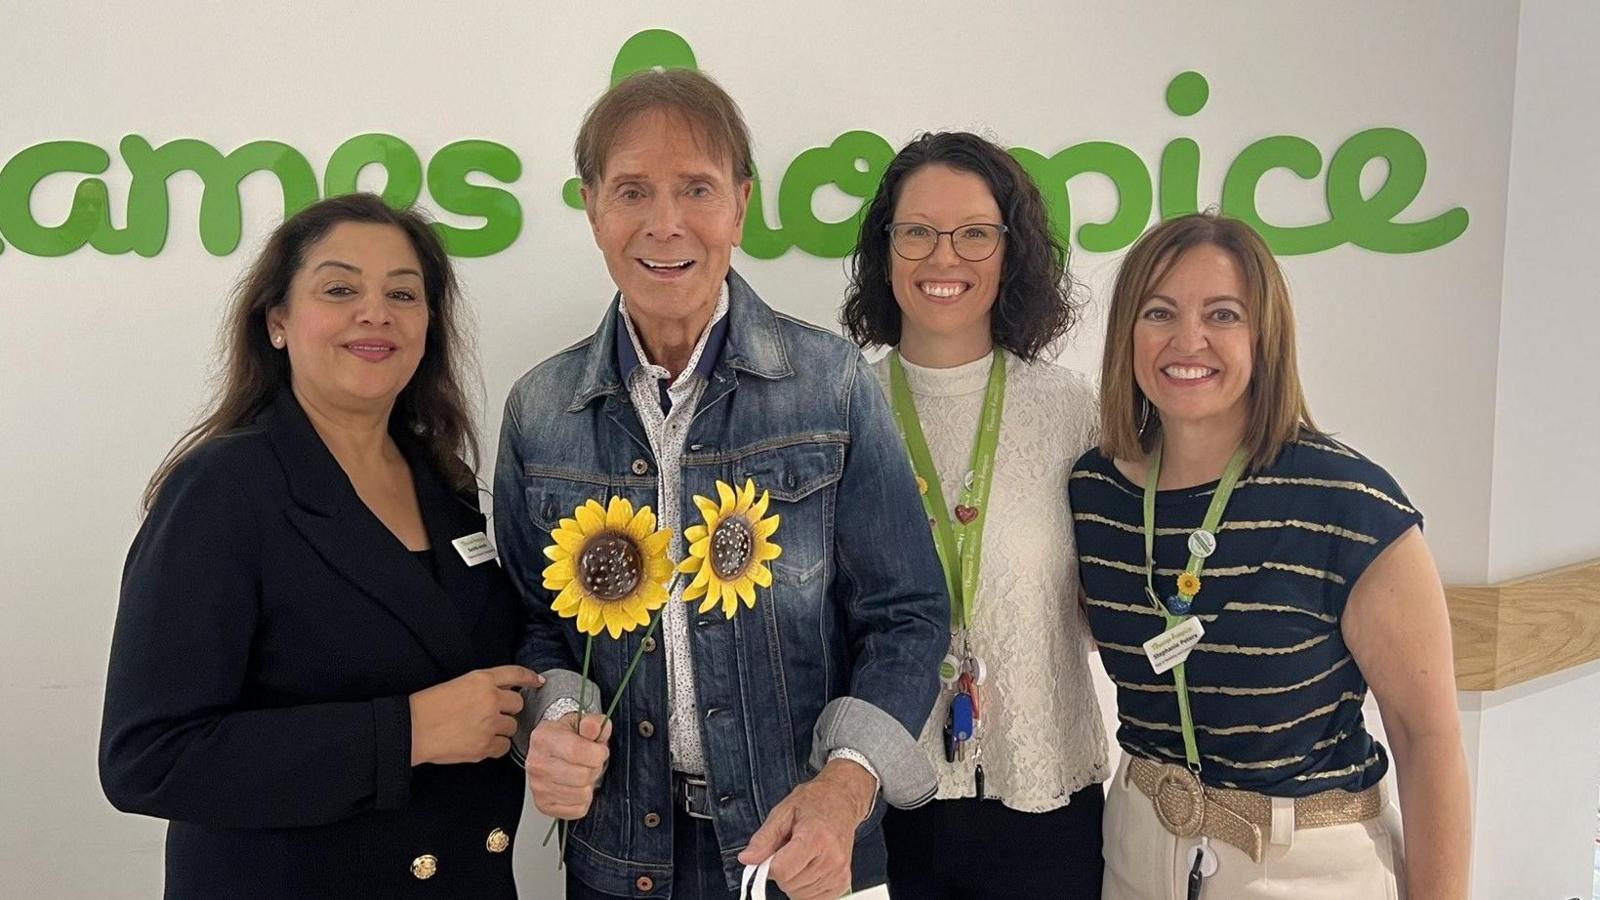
965,717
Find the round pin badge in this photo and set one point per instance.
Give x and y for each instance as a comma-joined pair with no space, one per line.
949,670
1202,543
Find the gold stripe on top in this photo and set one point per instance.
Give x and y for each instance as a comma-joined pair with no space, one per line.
1085,473
1240,650
1226,691
1317,527
1324,710
1368,763
1328,483
1298,569
1241,606
1141,610
1329,448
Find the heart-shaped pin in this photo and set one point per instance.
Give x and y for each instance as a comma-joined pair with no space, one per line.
966,514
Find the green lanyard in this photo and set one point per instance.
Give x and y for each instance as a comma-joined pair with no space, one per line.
960,543
1219,502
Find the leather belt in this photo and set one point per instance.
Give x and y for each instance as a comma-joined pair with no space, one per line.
1238,818
691,794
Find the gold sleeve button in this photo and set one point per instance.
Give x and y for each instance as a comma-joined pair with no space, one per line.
498,841
425,866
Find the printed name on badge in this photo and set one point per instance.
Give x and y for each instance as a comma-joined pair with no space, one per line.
1172,646
475,548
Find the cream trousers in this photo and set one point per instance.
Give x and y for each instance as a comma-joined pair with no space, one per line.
1144,861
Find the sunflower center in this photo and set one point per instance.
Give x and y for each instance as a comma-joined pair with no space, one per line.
610,567
730,548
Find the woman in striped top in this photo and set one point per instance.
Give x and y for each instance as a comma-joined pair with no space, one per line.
1247,577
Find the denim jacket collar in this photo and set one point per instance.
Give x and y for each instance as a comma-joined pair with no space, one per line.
754,345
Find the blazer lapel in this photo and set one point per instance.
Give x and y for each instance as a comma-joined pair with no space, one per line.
351,540
449,516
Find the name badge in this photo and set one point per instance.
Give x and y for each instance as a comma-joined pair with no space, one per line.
1172,646
475,549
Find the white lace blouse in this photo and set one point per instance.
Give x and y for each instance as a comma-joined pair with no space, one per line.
1042,736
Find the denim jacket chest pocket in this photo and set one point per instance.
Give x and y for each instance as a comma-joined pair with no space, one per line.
800,474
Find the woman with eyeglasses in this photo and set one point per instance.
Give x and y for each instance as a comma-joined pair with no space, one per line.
957,271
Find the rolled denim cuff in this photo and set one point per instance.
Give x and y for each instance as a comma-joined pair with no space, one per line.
905,776
559,684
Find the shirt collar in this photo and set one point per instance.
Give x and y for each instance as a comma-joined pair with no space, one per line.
707,351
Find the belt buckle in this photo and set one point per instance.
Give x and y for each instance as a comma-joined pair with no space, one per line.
686,796
1180,800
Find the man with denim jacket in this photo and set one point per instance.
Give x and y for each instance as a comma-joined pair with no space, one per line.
770,734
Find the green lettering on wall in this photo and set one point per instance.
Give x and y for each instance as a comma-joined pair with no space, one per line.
1299,156
1122,166
450,189
854,163
220,216
90,204
1368,222
403,184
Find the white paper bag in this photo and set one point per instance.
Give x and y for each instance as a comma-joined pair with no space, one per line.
753,886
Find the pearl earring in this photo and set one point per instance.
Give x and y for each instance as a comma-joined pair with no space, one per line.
277,340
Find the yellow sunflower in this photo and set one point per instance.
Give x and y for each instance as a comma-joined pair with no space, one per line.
610,565
1188,584
728,554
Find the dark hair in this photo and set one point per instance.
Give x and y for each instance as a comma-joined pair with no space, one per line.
431,410
1035,307
711,114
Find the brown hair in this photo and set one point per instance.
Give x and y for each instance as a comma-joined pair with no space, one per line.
431,410
1277,407
710,113
1035,307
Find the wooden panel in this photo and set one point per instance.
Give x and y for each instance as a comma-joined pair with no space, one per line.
1513,632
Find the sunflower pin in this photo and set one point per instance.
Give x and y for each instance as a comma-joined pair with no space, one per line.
1188,584
610,565
728,555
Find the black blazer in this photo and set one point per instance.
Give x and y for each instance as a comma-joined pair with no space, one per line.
270,632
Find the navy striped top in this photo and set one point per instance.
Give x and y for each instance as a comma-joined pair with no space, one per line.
1275,694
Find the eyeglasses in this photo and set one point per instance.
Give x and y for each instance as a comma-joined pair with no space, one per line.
974,243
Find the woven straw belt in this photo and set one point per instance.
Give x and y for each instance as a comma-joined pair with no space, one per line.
1240,818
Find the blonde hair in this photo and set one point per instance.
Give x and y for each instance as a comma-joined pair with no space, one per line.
1277,406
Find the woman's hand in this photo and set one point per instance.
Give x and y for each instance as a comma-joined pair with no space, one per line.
469,718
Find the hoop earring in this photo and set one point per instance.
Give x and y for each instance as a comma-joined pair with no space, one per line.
1144,414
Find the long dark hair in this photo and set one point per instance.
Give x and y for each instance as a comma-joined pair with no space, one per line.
1035,307
431,410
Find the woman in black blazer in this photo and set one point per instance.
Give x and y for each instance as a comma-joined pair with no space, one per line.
308,675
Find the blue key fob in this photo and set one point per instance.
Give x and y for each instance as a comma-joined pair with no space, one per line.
1179,605
961,717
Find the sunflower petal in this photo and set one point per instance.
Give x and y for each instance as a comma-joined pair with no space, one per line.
766,551
759,508
568,539
559,573
642,525
761,575
694,533
690,564
708,510
709,603
556,552
590,619
730,599
591,517
747,591
619,512
567,602
655,543
726,495
767,527
701,548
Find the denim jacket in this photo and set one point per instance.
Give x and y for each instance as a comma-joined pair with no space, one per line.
841,652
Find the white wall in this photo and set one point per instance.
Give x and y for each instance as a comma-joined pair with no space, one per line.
1537,745
103,358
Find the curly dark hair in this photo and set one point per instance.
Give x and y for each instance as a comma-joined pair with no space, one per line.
1035,307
